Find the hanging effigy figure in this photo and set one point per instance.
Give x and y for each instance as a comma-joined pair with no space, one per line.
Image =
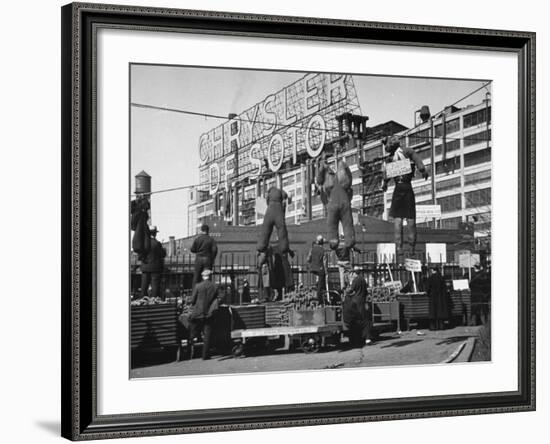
336,194
274,217
141,240
403,204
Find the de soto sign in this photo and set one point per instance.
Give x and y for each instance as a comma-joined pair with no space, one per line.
298,119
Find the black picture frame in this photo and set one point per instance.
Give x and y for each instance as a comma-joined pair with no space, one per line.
80,22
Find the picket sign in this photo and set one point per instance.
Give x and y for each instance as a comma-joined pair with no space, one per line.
261,205
398,168
425,213
468,260
413,265
428,211
460,284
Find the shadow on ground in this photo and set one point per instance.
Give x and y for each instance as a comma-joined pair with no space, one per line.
453,340
403,343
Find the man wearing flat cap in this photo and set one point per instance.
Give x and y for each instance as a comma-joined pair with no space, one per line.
152,265
204,305
357,311
206,250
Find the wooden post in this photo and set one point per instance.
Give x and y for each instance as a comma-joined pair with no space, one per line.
389,271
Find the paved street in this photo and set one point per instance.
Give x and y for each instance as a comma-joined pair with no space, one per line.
409,348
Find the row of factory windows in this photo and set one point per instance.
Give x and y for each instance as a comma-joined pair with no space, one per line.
454,145
448,184
425,153
474,199
470,159
446,166
468,120
451,126
442,167
482,222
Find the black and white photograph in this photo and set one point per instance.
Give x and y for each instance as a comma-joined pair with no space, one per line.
301,221
274,222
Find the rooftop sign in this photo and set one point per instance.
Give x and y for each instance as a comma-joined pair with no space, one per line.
299,118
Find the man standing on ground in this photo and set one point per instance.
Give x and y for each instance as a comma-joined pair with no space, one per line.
204,305
438,301
152,265
318,262
205,250
356,314
480,287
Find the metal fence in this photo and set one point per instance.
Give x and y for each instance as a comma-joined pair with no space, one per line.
232,269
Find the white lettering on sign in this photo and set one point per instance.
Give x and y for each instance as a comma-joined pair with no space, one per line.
424,212
468,260
229,165
398,168
204,154
317,119
269,115
214,177
290,117
301,114
261,205
234,138
310,96
276,145
338,84
413,265
460,284
255,160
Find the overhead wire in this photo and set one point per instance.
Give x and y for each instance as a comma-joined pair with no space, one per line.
281,126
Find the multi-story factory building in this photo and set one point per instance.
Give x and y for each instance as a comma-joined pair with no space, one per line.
279,140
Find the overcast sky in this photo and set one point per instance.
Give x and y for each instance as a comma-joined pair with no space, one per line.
165,144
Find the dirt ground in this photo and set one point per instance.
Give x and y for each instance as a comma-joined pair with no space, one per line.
413,347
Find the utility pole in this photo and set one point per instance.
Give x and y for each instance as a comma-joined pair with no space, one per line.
307,191
432,155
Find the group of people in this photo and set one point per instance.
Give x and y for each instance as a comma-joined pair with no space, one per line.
205,295
274,271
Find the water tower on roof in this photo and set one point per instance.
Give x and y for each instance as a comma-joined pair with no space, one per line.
143,183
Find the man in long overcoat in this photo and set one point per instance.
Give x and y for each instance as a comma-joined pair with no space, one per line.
438,299
356,311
